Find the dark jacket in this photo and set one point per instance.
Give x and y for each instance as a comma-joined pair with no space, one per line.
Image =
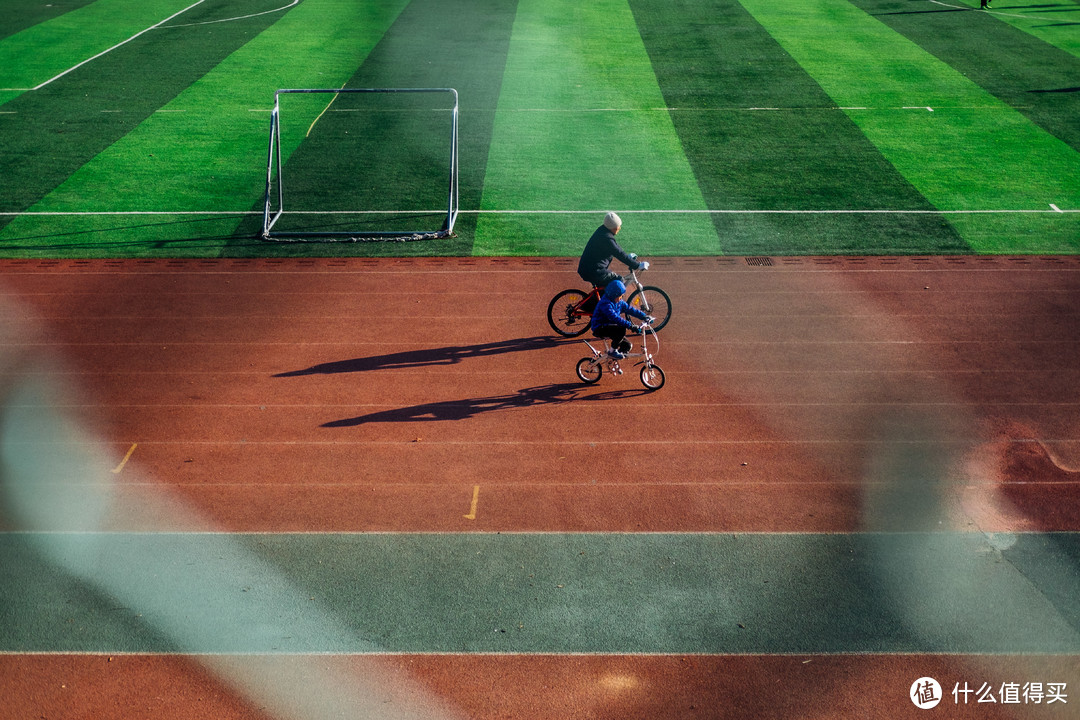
599,251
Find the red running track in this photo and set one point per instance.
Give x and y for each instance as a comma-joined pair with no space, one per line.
429,395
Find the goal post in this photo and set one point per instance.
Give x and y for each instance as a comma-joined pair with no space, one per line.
373,164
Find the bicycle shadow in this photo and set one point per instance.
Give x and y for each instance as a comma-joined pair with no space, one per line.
450,410
427,357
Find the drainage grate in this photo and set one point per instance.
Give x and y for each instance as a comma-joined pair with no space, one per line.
759,261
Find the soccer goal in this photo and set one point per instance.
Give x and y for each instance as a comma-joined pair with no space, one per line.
357,164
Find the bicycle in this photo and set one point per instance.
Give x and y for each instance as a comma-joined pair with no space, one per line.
590,369
570,311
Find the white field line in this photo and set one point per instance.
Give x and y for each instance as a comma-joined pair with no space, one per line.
992,11
154,27
239,17
1053,209
893,211
739,108
120,44
728,108
731,108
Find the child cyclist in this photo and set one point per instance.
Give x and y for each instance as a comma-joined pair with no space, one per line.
608,321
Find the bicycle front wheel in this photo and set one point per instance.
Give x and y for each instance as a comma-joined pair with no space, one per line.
563,314
652,377
652,301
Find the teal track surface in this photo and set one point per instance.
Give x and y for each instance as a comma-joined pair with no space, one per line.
548,593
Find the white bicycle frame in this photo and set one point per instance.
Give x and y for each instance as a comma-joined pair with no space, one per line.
612,364
633,278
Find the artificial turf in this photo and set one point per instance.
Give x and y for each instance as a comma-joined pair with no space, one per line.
22,14
581,125
762,135
962,148
1020,69
713,126
465,51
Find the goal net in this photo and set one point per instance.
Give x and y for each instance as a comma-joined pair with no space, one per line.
357,164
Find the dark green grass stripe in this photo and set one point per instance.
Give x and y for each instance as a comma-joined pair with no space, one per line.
69,121
715,65
542,593
431,44
1040,81
17,15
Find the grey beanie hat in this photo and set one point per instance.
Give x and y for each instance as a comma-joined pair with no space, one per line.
612,221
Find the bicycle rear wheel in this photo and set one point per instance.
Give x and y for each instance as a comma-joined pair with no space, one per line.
563,315
589,370
658,301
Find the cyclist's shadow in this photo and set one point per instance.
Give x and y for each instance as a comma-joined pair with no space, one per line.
449,355
552,394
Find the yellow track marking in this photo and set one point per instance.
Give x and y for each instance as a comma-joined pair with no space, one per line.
475,502
116,470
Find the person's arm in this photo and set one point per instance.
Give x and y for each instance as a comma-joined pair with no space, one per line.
640,315
627,259
618,310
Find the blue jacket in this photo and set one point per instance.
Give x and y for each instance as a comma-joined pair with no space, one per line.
609,312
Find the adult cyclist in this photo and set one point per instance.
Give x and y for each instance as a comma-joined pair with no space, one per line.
595,264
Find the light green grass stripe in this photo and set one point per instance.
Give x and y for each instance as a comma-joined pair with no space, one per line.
581,125
971,152
206,150
39,53
1054,24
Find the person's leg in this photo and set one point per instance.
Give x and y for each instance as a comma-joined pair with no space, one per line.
597,281
601,280
619,341
615,333
608,277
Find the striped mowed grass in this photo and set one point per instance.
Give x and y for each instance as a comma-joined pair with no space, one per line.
712,126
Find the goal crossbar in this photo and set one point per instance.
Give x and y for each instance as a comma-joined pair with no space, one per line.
275,192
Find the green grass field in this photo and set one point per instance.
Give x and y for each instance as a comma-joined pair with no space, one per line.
739,127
